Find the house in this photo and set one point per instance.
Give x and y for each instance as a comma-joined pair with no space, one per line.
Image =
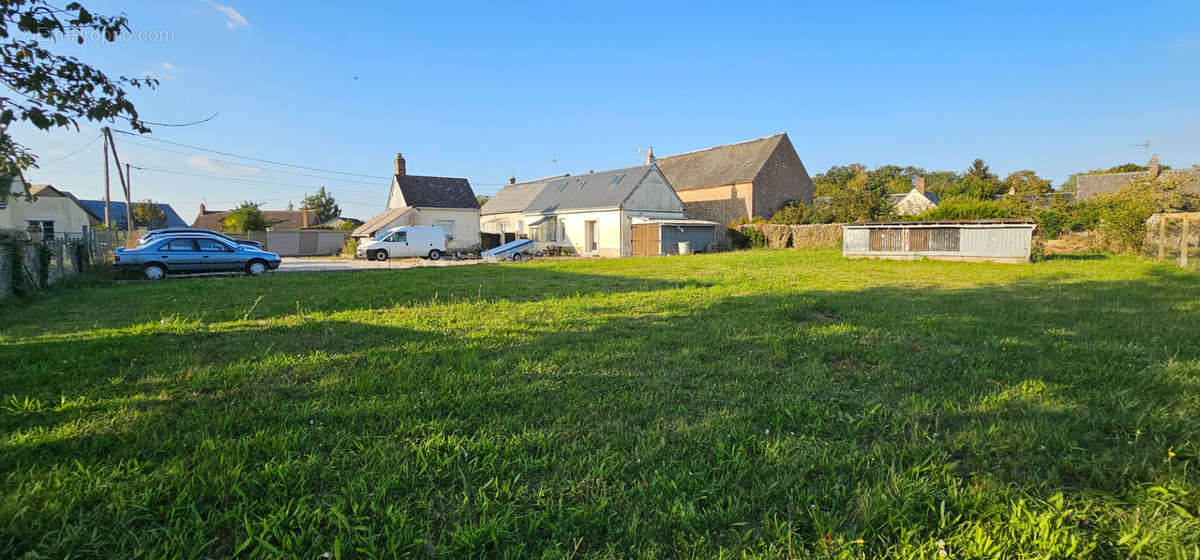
914,201
1089,187
57,212
95,210
418,200
277,220
751,179
504,212
598,213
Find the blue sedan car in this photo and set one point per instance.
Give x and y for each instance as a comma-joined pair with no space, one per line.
192,254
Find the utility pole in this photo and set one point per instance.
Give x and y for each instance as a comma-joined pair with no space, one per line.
107,201
128,201
121,176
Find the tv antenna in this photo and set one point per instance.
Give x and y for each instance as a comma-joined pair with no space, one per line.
1144,145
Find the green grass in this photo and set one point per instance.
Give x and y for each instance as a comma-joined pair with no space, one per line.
760,404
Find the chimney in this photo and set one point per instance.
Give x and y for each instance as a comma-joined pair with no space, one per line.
512,180
920,185
291,206
1153,165
202,209
400,165
649,155
304,216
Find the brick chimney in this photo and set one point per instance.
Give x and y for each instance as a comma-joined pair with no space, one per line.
202,209
1153,165
920,185
304,215
649,156
400,165
512,180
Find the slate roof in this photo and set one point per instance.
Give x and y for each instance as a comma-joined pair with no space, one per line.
1090,186
436,192
599,190
276,219
720,165
95,208
516,197
373,225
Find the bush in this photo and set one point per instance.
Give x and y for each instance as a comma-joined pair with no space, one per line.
350,247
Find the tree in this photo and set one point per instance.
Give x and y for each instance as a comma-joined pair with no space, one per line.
482,198
1026,181
979,170
53,90
936,181
838,177
244,218
323,205
147,214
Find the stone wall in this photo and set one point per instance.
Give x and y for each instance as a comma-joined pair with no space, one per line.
809,236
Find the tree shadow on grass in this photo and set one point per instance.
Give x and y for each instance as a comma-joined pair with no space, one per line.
654,427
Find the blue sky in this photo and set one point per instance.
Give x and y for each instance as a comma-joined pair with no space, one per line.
474,89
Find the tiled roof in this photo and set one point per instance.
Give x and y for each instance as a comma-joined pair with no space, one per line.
720,165
1091,186
516,197
436,192
276,219
95,208
596,190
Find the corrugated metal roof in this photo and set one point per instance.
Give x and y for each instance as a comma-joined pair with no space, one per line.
596,190
516,197
719,165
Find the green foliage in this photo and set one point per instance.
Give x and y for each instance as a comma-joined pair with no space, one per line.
752,404
54,90
350,247
975,188
323,205
970,208
245,218
147,214
482,198
837,177
1026,182
979,171
1123,214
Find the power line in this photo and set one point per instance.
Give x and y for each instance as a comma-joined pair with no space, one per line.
76,151
221,178
296,173
272,162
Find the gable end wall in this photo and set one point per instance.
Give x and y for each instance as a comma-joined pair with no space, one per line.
781,180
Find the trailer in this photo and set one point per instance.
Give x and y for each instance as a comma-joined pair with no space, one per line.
519,250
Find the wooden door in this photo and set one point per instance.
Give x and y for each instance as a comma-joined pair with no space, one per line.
645,240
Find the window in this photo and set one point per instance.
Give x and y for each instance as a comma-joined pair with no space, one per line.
47,227
400,237
617,179
212,246
179,245
581,184
562,186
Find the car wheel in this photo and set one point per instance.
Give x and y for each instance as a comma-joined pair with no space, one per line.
435,254
256,268
381,255
154,272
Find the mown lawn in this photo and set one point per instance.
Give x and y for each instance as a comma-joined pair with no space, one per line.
762,404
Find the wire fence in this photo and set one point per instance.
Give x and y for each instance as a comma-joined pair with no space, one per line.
1174,237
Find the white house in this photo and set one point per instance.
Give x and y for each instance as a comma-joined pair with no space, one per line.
914,201
417,200
590,214
56,212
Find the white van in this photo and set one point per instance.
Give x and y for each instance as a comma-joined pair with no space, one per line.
405,241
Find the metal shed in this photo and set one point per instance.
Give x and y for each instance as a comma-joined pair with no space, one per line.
661,236
977,240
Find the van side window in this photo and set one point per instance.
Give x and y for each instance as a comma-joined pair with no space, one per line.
400,236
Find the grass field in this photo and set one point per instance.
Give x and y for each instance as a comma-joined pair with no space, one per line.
761,403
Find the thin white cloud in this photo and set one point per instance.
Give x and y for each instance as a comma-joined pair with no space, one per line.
235,18
220,166
169,67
